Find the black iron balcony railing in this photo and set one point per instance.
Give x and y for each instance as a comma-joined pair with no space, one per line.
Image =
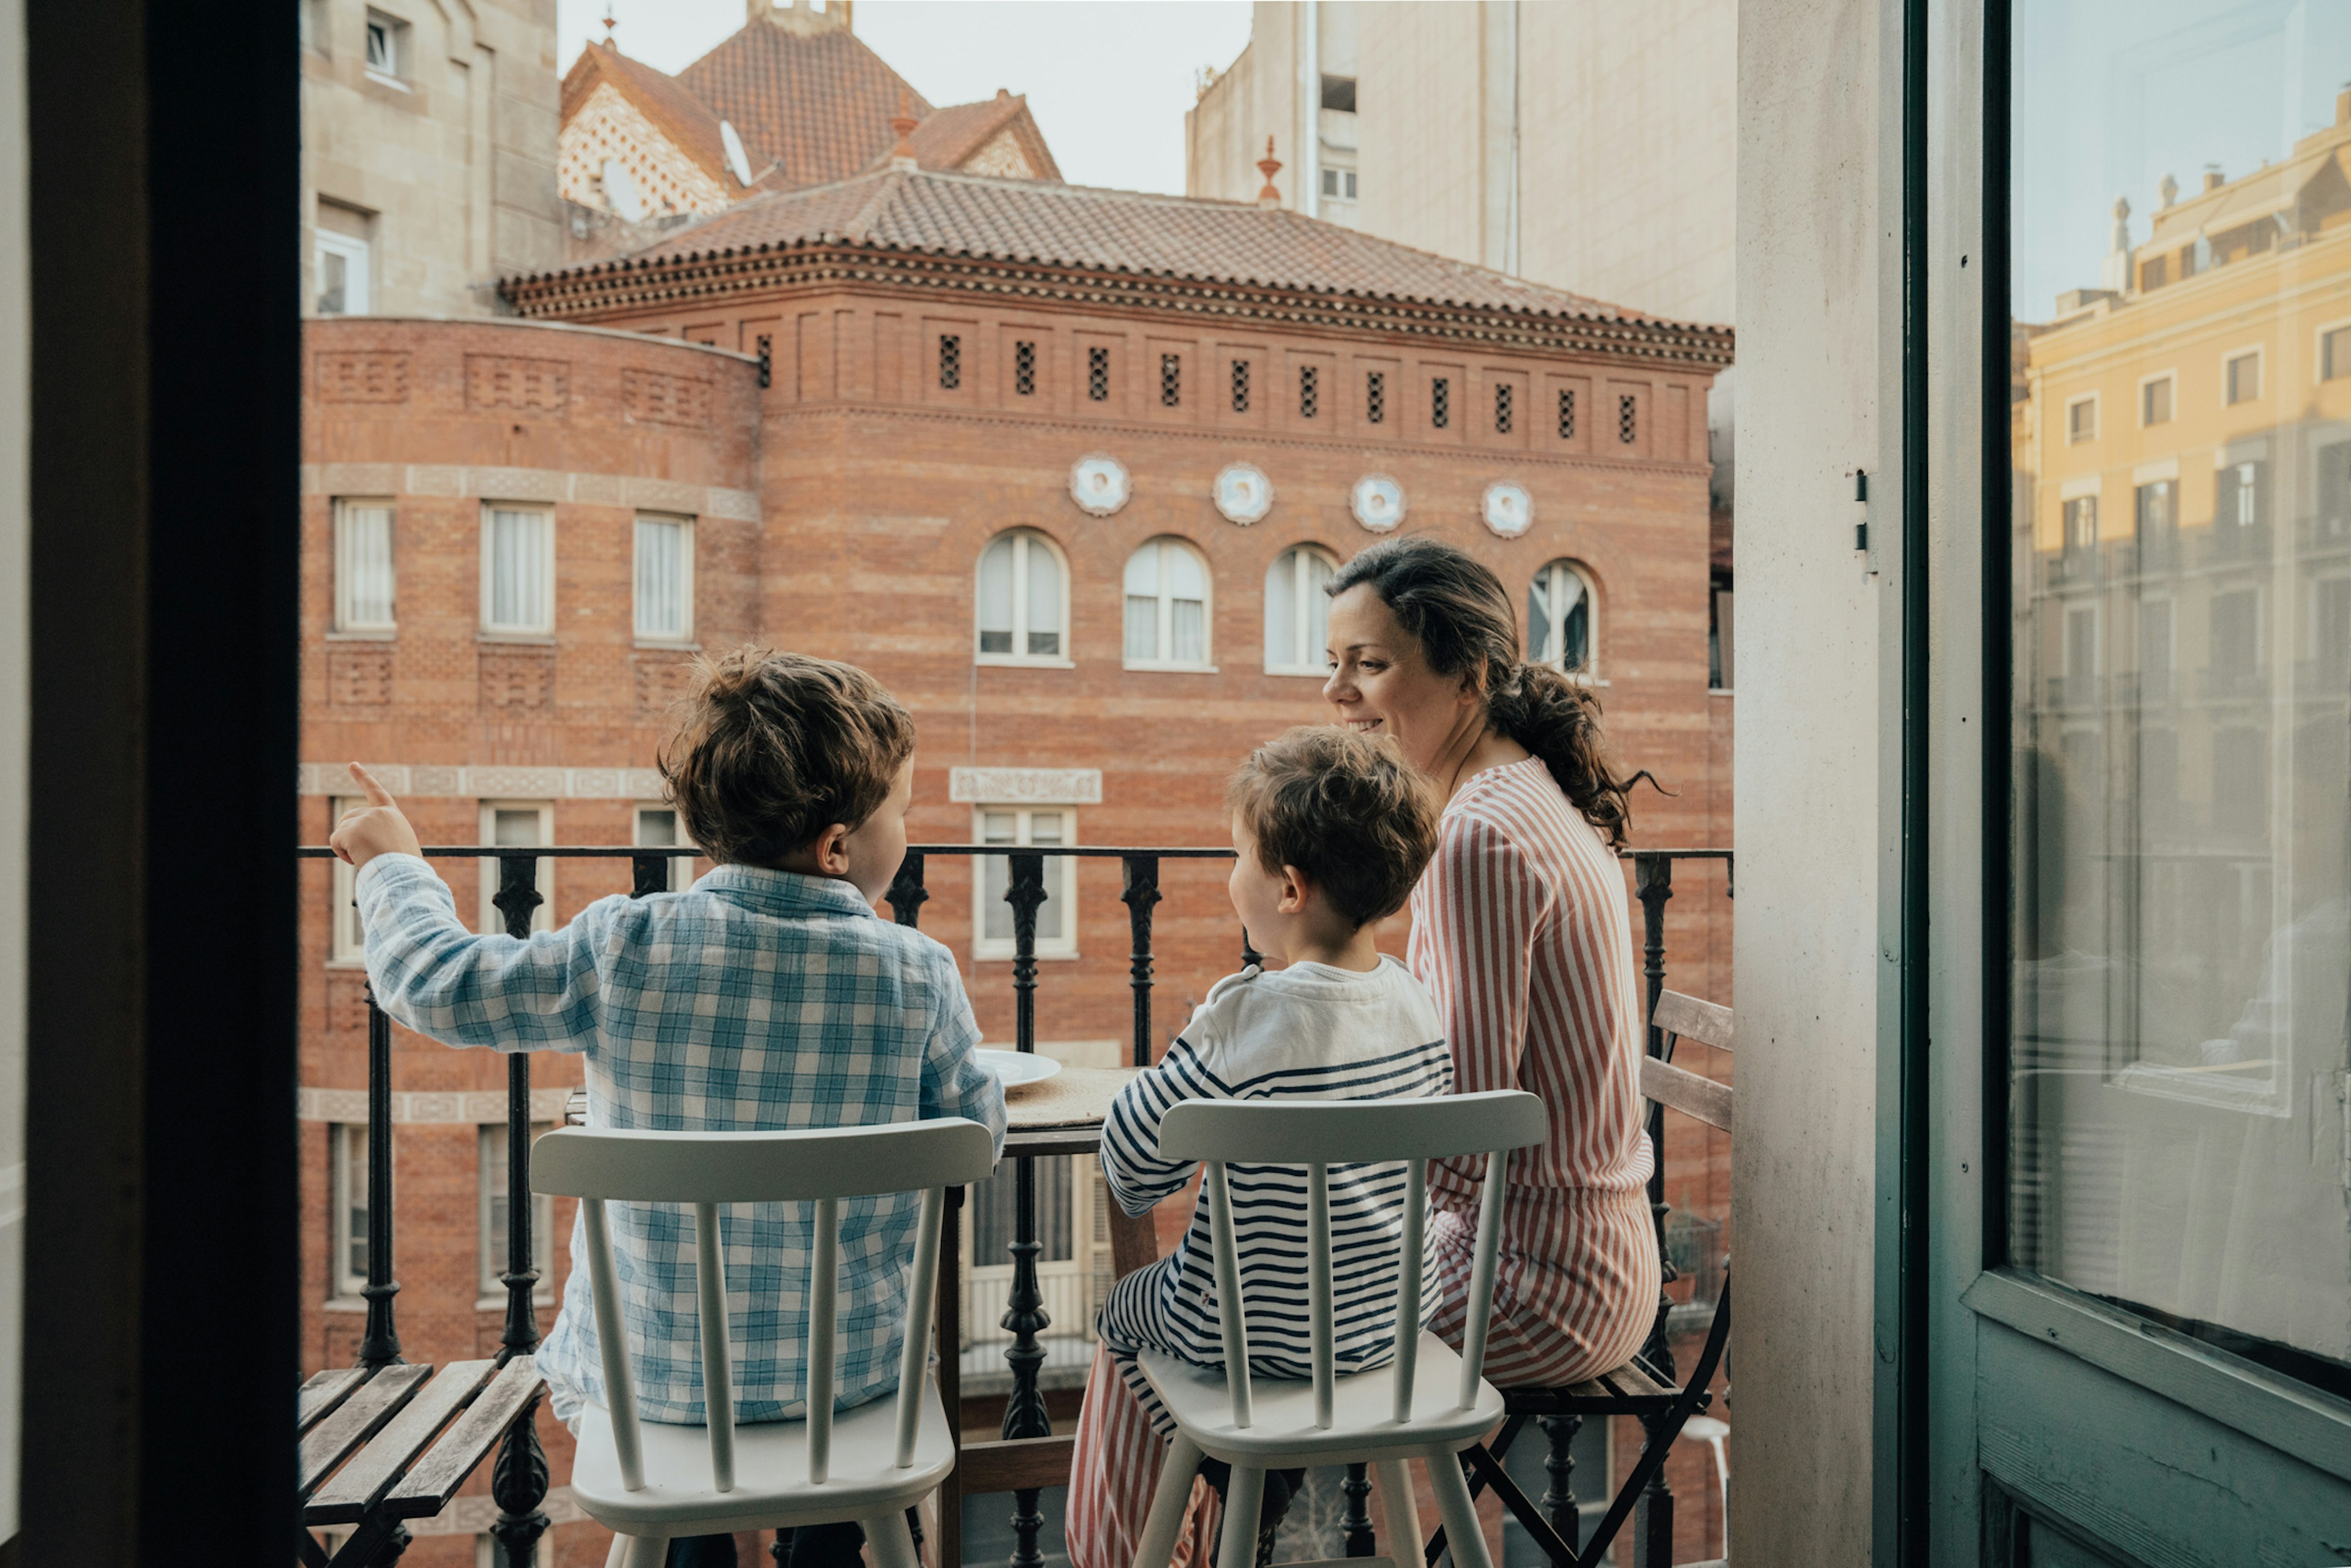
519,1478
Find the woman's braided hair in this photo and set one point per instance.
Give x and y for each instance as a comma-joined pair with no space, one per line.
1460,614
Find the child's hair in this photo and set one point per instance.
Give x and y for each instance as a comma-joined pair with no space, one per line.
1346,809
775,747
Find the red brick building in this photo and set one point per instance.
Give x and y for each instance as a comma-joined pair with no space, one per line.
1061,466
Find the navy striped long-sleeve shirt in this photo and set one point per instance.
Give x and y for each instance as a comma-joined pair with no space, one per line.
1310,1032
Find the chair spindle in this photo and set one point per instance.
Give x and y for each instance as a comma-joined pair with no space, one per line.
915,1357
718,1382
1317,1271
612,1341
1481,1278
824,1284
1229,1314
1407,1317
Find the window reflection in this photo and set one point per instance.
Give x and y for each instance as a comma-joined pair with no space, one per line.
2181,968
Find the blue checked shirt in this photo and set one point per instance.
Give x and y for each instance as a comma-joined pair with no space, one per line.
755,1000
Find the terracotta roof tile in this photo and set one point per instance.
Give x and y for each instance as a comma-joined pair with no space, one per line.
1075,226
676,113
817,105
948,136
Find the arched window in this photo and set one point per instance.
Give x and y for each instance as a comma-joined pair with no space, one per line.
1024,601
1166,607
1560,627
1298,612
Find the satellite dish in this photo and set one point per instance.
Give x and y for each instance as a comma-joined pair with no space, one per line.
620,192
736,158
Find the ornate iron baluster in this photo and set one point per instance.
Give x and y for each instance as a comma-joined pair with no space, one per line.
1559,1464
1357,1526
907,894
648,873
1653,883
1142,893
1024,1314
518,1483
379,1346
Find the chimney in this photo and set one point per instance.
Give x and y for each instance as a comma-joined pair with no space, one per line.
2342,106
1269,166
2212,177
845,12
902,156
756,10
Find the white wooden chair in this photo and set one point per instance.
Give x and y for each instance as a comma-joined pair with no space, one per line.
1428,1403
649,1481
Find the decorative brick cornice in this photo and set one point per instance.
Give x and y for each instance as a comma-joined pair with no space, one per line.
607,289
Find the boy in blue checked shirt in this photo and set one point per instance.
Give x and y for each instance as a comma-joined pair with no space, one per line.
769,995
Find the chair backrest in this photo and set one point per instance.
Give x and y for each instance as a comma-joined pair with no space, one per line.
823,1166
1686,1018
1319,1134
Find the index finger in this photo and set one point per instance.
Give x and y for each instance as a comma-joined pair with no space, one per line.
376,793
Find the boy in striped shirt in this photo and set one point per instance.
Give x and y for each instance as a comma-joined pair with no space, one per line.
1330,831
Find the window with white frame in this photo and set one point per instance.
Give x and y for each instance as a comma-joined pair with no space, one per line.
363,570
1166,607
387,49
493,1188
2155,400
2241,376
347,1264
1560,629
340,265
1298,612
1023,600
490,1553
2335,353
2082,420
657,828
517,570
1057,917
523,824
346,941
664,580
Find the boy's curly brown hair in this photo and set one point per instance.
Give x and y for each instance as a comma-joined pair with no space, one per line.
1346,809
772,748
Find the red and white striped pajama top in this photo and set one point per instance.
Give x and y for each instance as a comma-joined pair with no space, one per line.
1522,930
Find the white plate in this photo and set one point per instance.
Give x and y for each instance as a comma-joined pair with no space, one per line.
1015,1068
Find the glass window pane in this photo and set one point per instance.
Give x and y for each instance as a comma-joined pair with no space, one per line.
1189,632
661,578
2180,723
1187,577
996,597
1044,594
518,585
1316,573
362,568
1282,641
996,916
1143,573
1141,628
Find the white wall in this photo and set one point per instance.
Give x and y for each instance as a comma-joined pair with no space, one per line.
1818,659
16,704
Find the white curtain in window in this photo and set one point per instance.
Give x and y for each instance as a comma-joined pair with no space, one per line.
363,567
1166,604
996,597
1296,610
1044,606
1020,598
1143,604
665,578
521,597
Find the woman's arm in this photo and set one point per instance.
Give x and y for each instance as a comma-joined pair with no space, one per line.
1481,924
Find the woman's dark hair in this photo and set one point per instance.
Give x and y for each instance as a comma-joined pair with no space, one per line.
1460,614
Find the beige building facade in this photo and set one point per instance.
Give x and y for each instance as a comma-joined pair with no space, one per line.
428,154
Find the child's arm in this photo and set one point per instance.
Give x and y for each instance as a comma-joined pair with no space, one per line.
443,980
1133,1170
954,1082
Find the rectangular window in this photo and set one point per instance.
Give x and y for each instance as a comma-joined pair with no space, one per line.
1440,402
517,570
519,824
2242,375
1350,192
1171,381
2240,495
2081,421
1098,374
2154,274
1376,397
1309,397
489,1553
364,571
387,49
1330,182
2155,513
1628,413
1503,416
2335,354
492,1187
1338,94
950,362
2155,402
1241,386
657,828
1567,415
1057,919
664,580
1024,369
2081,524
346,939
348,1264
340,267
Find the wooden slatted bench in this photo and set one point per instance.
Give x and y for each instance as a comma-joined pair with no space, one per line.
378,1448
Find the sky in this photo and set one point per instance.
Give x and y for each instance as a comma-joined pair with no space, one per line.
1108,80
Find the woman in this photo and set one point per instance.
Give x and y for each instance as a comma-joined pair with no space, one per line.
1521,930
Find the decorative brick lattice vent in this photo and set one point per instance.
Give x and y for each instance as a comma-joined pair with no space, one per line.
655,397
1503,416
1567,416
950,362
662,680
1627,418
503,380
1171,381
1098,374
1376,397
358,677
1024,369
518,681
1309,391
1440,402
361,378
1241,386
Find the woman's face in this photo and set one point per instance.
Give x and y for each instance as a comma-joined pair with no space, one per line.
1381,682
